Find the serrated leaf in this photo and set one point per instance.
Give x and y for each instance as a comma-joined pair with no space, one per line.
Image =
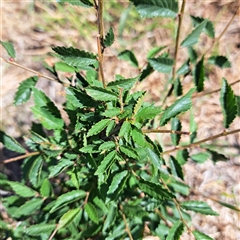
91,212
182,156
38,229
101,94
10,143
178,89
99,202
9,48
22,190
109,38
107,145
116,181
68,217
146,72
200,157
46,188
35,171
138,104
129,56
64,67
230,206
154,158
198,75
192,38
161,64
110,216
81,3
138,137
148,112
75,57
129,152
176,126
198,206
220,61
228,103
208,29
201,236
67,198
154,190
106,162
113,112
29,207
216,156
98,127
156,8
126,84
110,127
60,167
176,168
176,231
192,54
181,105
154,51
184,68
125,130
24,90
90,148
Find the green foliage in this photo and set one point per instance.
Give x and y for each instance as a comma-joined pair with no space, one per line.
99,174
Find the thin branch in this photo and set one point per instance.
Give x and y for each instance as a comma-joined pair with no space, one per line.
214,91
165,131
53,234
19,157
125,222
32,71
224,133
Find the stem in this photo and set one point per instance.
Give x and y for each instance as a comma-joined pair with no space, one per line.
32,71
165,131
224,133
180,17
223,32
216,90
19,157
100,41
125,222
53,234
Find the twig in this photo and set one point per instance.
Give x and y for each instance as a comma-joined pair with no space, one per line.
224,133
53,234
19,157
32,71
216,90
125,222
165,131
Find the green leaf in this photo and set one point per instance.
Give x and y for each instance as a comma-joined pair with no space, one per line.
146,72
199,75
106,163
129,56
111,216
9,48
81,3
154,51
60,167
154,190
184,68
156,8
129,152
101,94
29,207
238,104
208,29
176,231
24,90
220,61
109,38
38,229
91,148
176,126
138,137
113,112
181,105
91,212
10,143
98,127
216,156
230,206
68,217
22,190
228,103
161,64
138,104
46,188
148,112
75,57
154,158
64,67
182,156
192,54
198,206
35,171
176,168
107,145
117,179
178,89
125,129
201,236
126,84
192,38
110,127
99,202
200,157
66,198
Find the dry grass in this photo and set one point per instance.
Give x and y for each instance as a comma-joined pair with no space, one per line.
34,29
